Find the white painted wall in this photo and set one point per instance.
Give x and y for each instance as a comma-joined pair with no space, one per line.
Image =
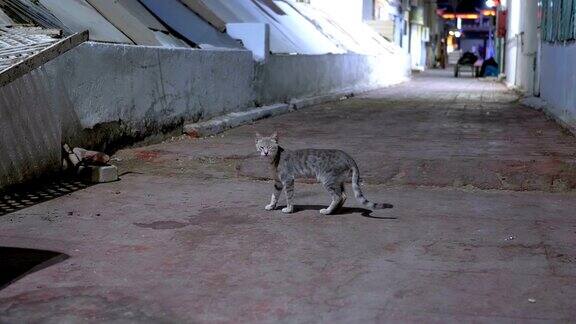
286,77
529,47
512,40
522,45
417,53
558,81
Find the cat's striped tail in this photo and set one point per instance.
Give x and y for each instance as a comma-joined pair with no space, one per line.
358,192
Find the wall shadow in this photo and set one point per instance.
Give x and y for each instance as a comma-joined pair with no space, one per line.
18,262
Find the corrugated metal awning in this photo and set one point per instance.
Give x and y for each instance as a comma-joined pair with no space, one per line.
127,23
189,25
4,19
350,35
203,11
145,18
117,21
139,11
290,32
27,12
78,15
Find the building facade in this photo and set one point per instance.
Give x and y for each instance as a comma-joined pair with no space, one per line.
413,25
540,53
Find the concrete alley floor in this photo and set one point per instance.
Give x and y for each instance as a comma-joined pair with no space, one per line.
483,228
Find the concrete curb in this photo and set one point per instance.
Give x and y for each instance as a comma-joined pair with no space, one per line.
534,102
231,120
296,104
220,124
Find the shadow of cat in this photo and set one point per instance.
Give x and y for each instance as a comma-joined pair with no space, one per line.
343,211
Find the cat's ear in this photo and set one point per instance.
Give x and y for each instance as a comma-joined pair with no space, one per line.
274,137
258,136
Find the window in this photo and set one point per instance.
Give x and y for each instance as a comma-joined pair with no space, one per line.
558,21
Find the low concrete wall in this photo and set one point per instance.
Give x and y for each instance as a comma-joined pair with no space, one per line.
116,92
285,77
30,132
558,81
103,96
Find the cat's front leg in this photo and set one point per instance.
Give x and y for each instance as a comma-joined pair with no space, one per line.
275,195
289,190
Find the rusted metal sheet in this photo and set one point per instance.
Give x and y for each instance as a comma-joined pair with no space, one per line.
27,53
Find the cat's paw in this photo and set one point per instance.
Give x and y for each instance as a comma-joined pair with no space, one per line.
270,207
325,211
287,210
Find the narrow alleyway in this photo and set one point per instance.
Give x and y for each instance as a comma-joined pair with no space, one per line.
483,226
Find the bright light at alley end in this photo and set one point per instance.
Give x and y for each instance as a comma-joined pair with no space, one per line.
491,3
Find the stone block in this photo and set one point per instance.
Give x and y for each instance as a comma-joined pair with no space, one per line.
99,174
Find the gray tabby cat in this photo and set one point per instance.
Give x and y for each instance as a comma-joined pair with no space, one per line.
330,167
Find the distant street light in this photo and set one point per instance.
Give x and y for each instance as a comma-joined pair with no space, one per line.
491,3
